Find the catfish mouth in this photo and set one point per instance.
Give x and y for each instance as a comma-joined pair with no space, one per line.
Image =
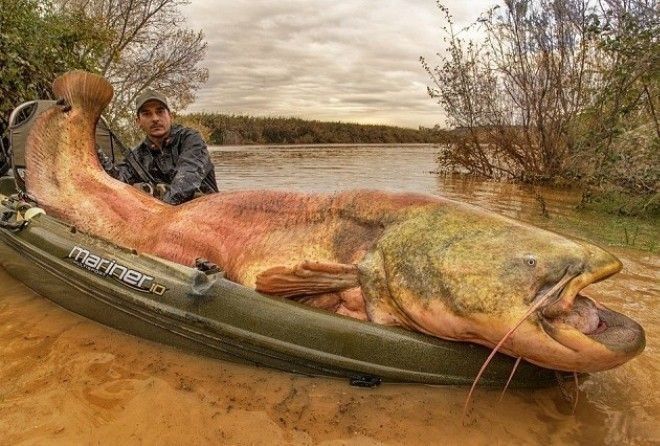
582,324
587,321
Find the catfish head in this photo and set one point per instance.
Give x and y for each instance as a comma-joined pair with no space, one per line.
470,275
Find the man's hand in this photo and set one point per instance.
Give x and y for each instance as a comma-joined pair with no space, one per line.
104,159
161,190
144,187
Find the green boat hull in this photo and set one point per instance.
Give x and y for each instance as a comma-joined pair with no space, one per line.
207,314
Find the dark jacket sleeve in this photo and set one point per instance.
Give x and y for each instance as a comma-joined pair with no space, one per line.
121,170
193,165
125,173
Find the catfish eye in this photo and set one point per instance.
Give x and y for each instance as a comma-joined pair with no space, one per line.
530,261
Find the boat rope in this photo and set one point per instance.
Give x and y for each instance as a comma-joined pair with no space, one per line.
7,223
17,214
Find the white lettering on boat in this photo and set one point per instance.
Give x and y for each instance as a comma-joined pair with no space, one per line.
110,268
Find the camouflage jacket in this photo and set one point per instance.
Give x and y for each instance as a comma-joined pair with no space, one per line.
183,163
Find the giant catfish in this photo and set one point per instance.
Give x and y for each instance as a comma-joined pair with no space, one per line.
417,261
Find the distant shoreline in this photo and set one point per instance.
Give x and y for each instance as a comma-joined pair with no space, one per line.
239,130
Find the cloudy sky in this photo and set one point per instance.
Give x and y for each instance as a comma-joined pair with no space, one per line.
332,60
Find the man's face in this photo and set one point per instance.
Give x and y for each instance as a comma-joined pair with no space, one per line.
154,119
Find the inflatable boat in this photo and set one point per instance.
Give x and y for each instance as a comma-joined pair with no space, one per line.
197,309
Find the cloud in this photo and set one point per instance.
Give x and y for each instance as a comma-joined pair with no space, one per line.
355,61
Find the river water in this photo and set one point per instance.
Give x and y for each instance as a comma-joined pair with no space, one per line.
67,380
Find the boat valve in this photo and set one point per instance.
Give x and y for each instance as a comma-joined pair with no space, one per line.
206,266
203,280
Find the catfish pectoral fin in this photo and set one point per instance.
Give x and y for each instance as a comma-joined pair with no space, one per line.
307,278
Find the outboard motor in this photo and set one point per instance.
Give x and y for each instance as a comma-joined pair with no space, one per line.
21,121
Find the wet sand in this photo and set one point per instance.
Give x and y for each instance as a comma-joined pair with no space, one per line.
67,380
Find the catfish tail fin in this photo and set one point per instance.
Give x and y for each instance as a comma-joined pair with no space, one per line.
60,146
84,90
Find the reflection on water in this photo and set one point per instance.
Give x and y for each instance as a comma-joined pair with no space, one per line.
326,168
67,380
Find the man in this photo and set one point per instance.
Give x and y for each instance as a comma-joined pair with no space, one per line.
175,157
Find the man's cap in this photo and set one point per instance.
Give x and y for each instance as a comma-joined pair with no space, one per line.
149,95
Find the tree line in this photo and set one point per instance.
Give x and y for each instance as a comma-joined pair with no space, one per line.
226,129
555,91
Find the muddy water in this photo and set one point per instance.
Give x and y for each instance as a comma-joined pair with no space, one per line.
67,380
